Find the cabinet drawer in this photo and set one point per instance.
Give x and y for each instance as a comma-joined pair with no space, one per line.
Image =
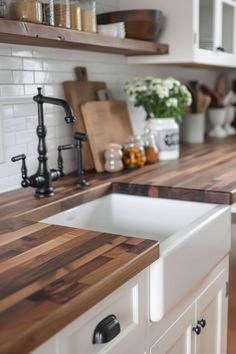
125,304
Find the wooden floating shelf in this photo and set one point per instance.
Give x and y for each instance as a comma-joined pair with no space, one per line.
16,32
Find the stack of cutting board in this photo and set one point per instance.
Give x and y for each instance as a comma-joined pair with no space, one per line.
104,121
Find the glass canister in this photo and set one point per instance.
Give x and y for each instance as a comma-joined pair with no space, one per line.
3,9
75,15
134,153
88,15
62,13
151,149
113,158
26,10
48,12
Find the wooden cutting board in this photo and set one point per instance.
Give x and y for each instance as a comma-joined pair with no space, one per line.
105,122
77,92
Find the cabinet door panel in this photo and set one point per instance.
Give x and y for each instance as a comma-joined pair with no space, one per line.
212,307
179,338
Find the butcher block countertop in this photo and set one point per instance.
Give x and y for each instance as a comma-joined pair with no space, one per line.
50,275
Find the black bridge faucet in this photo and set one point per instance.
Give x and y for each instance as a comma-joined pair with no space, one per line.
42,179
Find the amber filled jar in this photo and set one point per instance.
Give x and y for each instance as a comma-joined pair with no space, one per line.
26,10
62,13
48,12
134,153
88,15
75,15
151,149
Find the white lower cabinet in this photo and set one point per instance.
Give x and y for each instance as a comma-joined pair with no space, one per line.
129,304
202,328
196,325
212,309
178,339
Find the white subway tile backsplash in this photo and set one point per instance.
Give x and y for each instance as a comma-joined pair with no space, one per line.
15,124
55,90
20,51
11,90
22,110
32,64
7,111
11,63
30,90
5,49
23,77
26,136
5,77
24,68
9,139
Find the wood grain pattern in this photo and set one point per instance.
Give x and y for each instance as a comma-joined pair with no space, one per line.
49,275
47,36
77,92
106,122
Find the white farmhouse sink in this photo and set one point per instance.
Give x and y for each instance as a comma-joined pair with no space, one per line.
193,238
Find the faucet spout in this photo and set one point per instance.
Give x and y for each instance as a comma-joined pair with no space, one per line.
40,99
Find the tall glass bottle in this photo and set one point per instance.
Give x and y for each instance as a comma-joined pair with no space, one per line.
48,12
3,8
62,13
75,15
88,15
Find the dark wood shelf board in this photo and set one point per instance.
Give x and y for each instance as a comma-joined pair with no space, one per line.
16,32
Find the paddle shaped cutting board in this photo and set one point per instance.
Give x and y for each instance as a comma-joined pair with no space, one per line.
105,122
77,92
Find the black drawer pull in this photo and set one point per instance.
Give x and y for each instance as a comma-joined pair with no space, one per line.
106,330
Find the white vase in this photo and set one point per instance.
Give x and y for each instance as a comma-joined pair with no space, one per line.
166,132
217,118
230,115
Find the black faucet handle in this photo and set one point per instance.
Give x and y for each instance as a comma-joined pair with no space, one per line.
25,181
18,158
81,136
60,158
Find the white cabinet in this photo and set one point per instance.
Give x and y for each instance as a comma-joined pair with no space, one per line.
211,310
178,339
129,304
205,308
202,328
198,31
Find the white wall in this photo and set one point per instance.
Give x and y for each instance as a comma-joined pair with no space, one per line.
23,69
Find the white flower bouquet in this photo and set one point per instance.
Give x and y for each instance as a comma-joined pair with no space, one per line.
160,98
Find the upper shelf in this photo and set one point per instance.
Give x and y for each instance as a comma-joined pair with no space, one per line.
45,36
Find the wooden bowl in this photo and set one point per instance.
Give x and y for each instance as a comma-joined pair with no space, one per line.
139,24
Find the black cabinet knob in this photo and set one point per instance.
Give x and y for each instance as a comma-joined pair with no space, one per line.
197,329
202,323
106,330
220,49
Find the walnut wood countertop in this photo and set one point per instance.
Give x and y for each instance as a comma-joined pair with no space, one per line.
49,275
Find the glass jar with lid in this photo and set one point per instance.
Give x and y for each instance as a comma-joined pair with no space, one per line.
48,12
113,158
75,14
26,10
3,9
62,13
151,149
133,152
88,15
